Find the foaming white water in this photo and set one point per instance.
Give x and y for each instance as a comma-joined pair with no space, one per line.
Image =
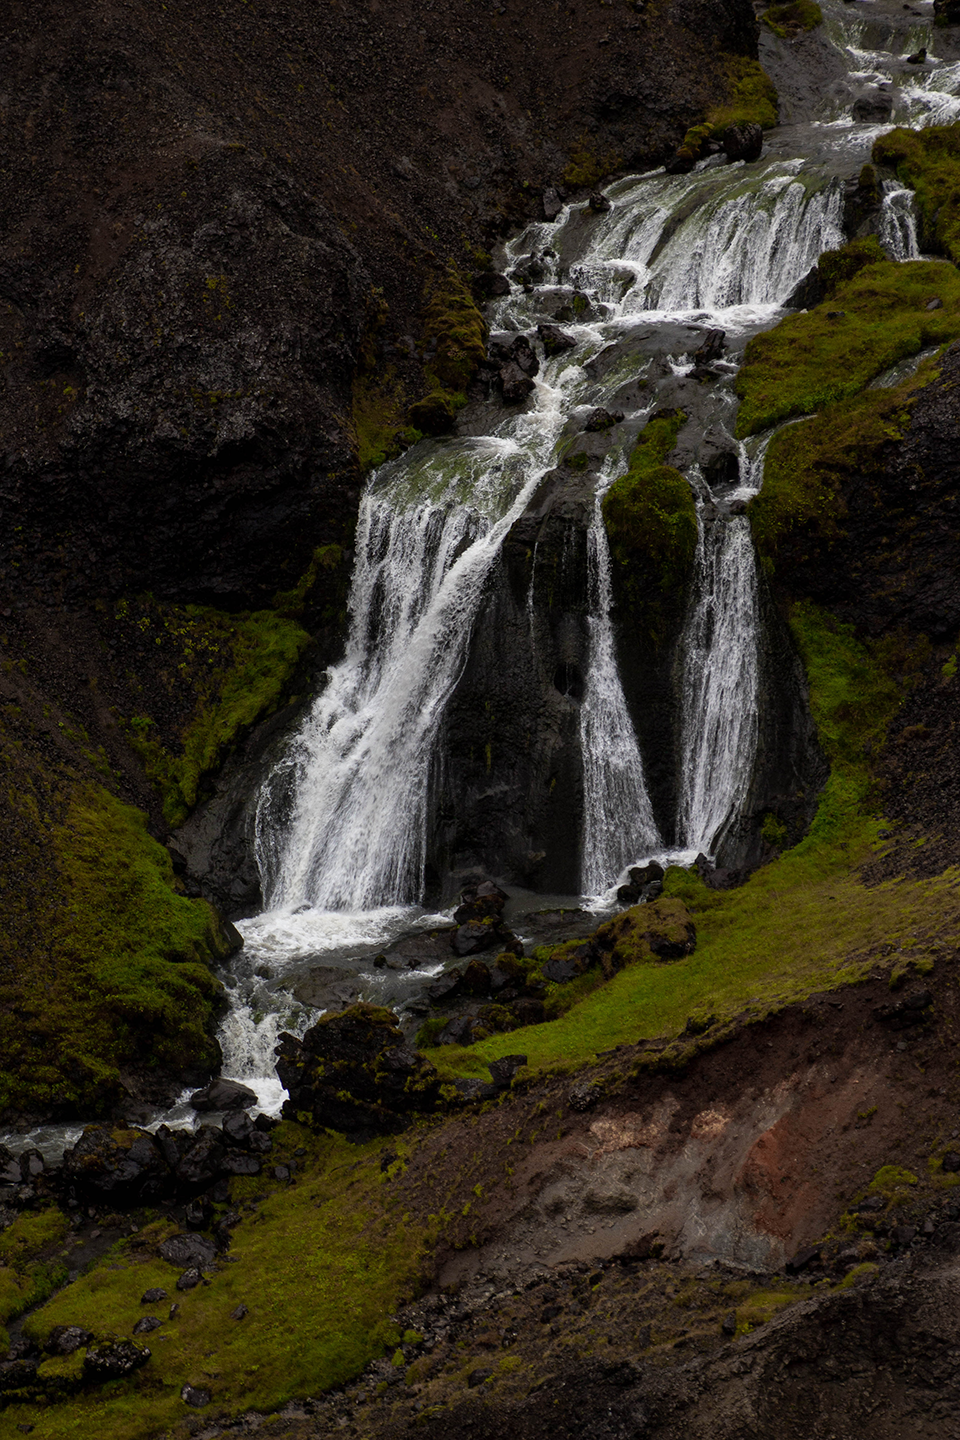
341,823
618,823
720,677
898,222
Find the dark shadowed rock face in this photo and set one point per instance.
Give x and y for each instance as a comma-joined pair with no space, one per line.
354,1072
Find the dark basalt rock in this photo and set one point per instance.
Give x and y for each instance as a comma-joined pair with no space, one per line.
555,340
188,1250
946,12
353,1072
873,108
114,1360
742,142
601,419
202,1161
123,1166
65,1339
552,204
222,1094
598,202
516,386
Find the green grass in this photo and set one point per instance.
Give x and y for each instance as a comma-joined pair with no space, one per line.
255,656
929,161
651,524
320,1265
808,465
804,923
793,18
809,360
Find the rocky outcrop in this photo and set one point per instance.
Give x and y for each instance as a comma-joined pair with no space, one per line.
354,1072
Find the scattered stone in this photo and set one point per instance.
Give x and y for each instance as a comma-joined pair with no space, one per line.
934,304
951,1162
598,202
113,1360
918,57
190,1279
554,340
193,1395
803,1258
445,987
197,1214
153,1297
477,1377
584,1096
281,1172
65,1339
516,385
728,1325
504,1069
223,1094
148,1323
473,1089
240,1312
601,419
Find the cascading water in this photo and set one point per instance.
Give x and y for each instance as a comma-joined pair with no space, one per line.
341,821
614,786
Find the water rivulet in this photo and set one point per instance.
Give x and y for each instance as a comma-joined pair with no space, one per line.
517,695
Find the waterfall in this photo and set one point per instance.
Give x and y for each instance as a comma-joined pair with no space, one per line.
341,823
618,823
898,222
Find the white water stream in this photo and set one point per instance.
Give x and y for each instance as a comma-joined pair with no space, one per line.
342,820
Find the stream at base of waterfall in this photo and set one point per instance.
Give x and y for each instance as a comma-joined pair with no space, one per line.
342,817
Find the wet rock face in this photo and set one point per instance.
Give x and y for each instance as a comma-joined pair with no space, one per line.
514,714
354,1072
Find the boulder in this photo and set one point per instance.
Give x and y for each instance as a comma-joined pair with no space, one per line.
742,142
201,1162
504,1069
710,348
598,202
355,1073
239,1130
478,935
445,987
114,1360
919,57
662,929
873,108
552,204
124,1166
222,1094
601,419
554,340
188,1250
65,1339
516,385
477,902
492,284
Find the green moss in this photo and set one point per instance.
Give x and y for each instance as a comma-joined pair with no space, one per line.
826,354
587,165
26,1279
254,657
808,465
836,267
290,604
651,523
453,323
320,1265
929,161
752,97
893,1183
858,1275
793,18
762,1307
121,979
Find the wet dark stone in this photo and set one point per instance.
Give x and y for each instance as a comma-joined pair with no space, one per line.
555,340
223,1094
153,1297
742,142
504,1069
516,385
803,1258
445,987
598,202
237,1164
601,419
875,107
552,204
148,1323
201,1163
240,1312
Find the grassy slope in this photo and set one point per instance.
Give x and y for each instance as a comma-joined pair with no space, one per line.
832,352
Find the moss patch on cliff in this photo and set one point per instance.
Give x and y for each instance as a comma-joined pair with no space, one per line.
826,354
239,669
651,523
109,978
752,99
454,330
808,463
793,19
929,161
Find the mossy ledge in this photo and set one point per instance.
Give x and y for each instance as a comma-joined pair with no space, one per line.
651,523
827,354
790,20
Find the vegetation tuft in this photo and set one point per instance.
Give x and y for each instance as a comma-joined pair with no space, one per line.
793,18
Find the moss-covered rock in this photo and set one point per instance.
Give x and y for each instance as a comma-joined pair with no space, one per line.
651,523
929,161
354,1072
662,930
793,18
